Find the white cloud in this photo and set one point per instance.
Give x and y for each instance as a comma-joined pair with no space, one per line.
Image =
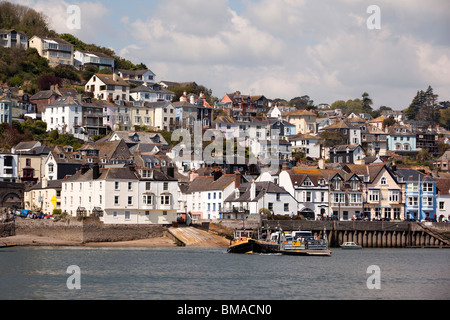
283,48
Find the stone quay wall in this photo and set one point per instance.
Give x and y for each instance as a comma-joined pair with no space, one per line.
89,230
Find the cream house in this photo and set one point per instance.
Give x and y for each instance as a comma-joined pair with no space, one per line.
304,121
108,87
45,196
57,51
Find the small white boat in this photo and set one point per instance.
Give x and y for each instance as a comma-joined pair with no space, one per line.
350,245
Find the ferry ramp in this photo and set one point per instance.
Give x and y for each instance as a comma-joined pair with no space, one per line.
193,237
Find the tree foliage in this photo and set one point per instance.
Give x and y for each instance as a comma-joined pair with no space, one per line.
424,107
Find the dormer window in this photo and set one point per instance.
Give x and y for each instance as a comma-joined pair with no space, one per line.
61,156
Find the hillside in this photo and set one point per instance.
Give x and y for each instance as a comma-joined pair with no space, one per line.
25,69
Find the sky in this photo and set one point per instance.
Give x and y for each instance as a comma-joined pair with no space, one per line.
276,48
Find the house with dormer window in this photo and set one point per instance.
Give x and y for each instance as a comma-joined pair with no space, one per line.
346,196
309,187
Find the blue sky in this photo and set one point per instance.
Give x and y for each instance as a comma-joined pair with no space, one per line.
279,48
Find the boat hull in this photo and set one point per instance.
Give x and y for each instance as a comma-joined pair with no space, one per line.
243,247
306,252
265,247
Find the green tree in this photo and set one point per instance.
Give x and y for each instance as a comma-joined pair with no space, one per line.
445,118
366,103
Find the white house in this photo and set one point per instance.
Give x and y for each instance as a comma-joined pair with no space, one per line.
250,197
64,115
443,199
206,194
13,38
310,188
151,93
137,76
307,144
108,87
100,60
8,166
118,196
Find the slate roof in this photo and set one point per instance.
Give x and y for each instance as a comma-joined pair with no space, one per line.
207,183
443,186
262,188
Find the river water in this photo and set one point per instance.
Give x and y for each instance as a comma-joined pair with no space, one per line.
212,274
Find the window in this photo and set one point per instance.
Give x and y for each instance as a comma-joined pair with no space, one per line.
270,206
278,197
394,195
413,187
354,185
441,205
307,196
286,207
116,200
355,198
427,187
427,201
165,186
116,185
130,200
130,186
338,197
336,184
127,215
412,201
383,181
165,200
147,199
387,213
397,213
374,195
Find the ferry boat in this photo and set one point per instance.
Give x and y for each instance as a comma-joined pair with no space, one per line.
242,242
350,245
304,243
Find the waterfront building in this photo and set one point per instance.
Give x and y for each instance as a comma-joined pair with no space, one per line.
383,195
45,196
310,189
8,166
346,196
443,199
420,194
118,195
206,194
31,156
250,197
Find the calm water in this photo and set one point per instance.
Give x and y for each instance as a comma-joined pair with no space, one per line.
212,274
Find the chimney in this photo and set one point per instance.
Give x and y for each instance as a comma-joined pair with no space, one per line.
44,182
84,169
192,99
321,164
217,174
237,179
95,171
115,76
252,190
171,171
193,175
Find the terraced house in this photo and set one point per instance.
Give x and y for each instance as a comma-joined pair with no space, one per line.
383,195
420,194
